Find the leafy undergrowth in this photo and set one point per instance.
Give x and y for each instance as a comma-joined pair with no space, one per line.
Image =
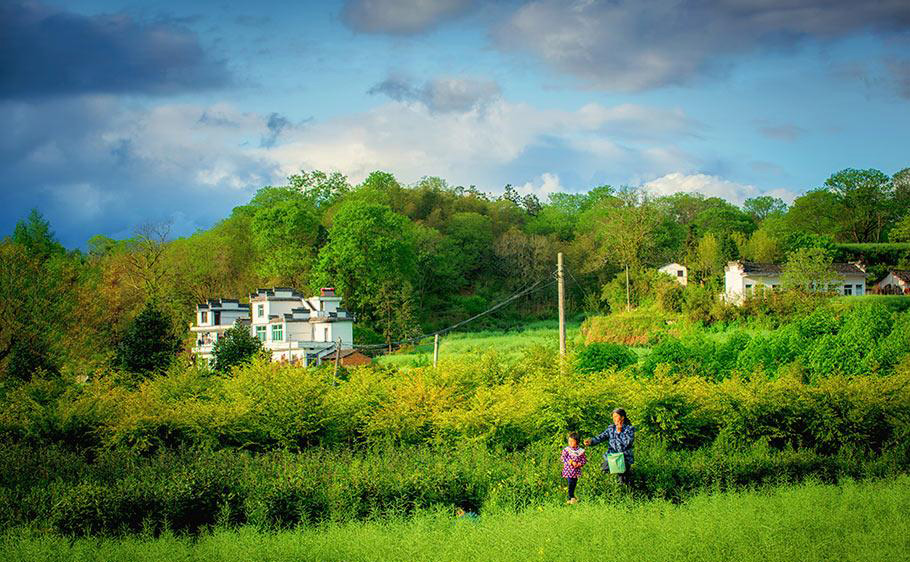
851,521
634,327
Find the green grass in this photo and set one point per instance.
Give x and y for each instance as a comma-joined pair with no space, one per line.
851,521
896,303
508,344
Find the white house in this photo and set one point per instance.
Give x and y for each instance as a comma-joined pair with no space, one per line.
677,271
897,282
295,328
741,279
212,319
292,327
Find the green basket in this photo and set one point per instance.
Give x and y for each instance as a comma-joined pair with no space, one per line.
616,462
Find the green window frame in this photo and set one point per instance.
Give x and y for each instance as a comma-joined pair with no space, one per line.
277,332
260,333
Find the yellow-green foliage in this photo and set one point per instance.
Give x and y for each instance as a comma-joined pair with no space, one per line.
632,327
496,402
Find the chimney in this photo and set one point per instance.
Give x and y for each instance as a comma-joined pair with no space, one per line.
327,292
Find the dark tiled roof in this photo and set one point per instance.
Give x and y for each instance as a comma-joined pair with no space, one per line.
903,275
776,269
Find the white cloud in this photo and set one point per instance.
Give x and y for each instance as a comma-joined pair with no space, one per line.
126,165
543,186
711,186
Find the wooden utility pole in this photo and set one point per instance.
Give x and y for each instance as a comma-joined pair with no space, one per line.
562,305
337,360
435,350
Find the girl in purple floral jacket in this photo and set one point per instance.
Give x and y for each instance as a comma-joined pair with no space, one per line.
573,459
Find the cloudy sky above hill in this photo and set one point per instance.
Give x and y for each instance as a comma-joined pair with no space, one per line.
116,113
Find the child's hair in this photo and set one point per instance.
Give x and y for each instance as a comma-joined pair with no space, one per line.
573,435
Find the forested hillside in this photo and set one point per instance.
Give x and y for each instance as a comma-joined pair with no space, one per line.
413,258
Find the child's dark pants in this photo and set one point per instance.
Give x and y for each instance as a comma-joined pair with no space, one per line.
572,483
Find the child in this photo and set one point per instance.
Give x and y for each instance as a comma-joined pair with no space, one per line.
573,459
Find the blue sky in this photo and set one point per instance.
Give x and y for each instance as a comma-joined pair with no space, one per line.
119,113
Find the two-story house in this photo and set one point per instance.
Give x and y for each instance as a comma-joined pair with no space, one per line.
299,329
212,319
290,326
742,278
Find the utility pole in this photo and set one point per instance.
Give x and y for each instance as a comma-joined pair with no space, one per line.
562,305
435,350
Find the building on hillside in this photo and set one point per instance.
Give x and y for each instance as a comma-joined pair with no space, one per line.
677,271
290,326
212,319
742,278
897,282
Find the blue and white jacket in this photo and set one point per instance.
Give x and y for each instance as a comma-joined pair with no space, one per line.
619,442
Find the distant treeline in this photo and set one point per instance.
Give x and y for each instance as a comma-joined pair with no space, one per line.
409,259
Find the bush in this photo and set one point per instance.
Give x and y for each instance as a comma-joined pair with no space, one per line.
236,347
602,356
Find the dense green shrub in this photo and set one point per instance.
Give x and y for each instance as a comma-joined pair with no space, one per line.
602,356
236,347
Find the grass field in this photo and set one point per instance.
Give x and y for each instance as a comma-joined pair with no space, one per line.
896,303
508,344
851,521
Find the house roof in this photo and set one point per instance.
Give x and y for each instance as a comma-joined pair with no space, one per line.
776,268
348,352
902,274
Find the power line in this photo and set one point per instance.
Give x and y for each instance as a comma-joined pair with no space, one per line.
536,286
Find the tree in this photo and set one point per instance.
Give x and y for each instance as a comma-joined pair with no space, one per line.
28,309
149,344
866,199
763,247
626,234
396,313
35,235
285,234
815,212
708,259
145,254
369,246
901,231
809,270
237,346
473,234
764,206
321,189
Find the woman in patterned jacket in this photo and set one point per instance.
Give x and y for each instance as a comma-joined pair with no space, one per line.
621,439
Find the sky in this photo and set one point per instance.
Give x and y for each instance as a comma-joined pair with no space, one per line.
117,113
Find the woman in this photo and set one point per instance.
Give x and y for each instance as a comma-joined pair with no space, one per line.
621,439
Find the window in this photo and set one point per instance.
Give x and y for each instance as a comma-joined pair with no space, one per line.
859,289
325,336
260,310
277,332
203,317
749,288
260,333
848,289
321,304
679,273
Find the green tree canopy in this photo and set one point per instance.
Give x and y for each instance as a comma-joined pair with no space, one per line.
149,344
237,346
369,247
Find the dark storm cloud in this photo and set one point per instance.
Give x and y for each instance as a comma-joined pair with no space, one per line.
627,45
45,51
443,94
400,17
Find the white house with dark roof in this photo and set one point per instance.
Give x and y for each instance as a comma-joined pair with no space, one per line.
212,319
300,329
897,282
742,278
677,271
291,326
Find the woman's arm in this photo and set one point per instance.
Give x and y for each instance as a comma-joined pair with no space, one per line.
599,439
